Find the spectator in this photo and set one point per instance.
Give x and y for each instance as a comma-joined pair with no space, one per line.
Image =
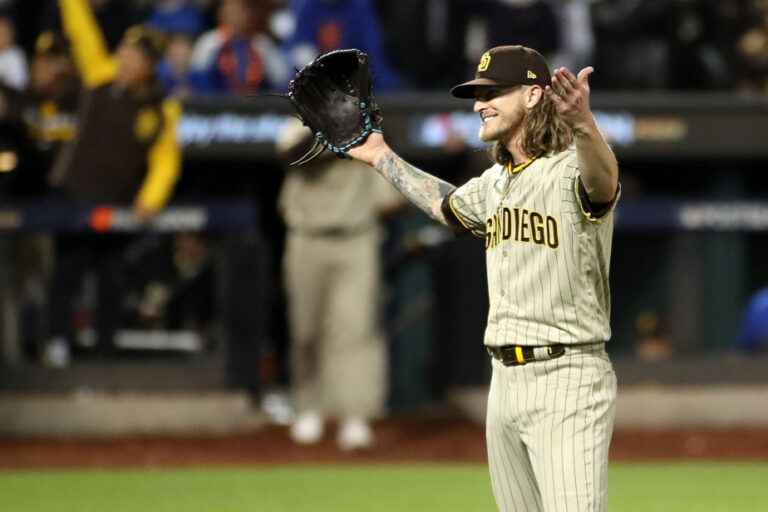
175,71
331,209
125,152
325,25
207,45
696,56
44,113
113,17
630,28
531,23
241,56
172,285
577,35
676,44
752,51
13,64
44,117
176,17
50,110
429,46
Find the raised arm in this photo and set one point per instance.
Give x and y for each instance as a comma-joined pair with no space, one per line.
163,165
597,163
95,64
422,189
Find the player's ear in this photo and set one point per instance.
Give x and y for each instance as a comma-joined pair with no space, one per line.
532,95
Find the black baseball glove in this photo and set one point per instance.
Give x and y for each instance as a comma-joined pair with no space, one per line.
333,96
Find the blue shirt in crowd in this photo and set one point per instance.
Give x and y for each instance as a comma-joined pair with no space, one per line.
334,24
186,19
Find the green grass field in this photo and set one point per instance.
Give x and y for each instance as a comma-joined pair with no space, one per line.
709,487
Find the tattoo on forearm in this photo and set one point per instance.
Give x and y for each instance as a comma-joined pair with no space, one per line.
422,189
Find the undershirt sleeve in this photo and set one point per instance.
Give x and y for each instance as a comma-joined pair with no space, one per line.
595,211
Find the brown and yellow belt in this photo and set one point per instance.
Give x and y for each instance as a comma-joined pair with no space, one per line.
516,355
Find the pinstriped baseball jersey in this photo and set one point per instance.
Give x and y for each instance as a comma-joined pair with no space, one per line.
547,256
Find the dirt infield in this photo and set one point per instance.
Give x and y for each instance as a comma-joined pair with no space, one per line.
403,439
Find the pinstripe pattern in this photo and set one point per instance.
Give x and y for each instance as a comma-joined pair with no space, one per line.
548,431
539,294
549,423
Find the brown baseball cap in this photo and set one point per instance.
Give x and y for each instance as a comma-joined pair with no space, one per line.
51,43
506,66
149,40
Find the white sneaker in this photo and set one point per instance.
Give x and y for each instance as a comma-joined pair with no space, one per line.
56,353
277,406
308,428
354,434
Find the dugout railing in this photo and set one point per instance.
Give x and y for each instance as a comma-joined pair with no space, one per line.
225,355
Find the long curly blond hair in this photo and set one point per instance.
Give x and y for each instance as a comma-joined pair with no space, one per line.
543,132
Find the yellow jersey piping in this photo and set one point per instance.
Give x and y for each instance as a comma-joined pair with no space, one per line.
456,214
516,169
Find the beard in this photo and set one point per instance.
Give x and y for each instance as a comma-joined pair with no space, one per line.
502,127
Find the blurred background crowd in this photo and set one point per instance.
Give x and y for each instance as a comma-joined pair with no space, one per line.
52,284
244,47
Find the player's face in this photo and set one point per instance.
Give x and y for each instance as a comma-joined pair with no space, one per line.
48,72
133,67
501,112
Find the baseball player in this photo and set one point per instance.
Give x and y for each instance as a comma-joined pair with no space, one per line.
332,211
545,212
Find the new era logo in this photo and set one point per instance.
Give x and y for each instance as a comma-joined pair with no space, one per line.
532,75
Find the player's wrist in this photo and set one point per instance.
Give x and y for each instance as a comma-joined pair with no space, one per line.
585,127
379,153
371,150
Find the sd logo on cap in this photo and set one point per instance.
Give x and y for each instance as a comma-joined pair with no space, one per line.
485,61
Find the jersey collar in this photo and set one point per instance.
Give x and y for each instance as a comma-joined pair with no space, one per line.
519,167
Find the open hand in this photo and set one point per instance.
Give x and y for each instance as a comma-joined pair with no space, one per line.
571,96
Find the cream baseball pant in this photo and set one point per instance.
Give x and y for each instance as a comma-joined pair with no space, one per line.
548,430
338,358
